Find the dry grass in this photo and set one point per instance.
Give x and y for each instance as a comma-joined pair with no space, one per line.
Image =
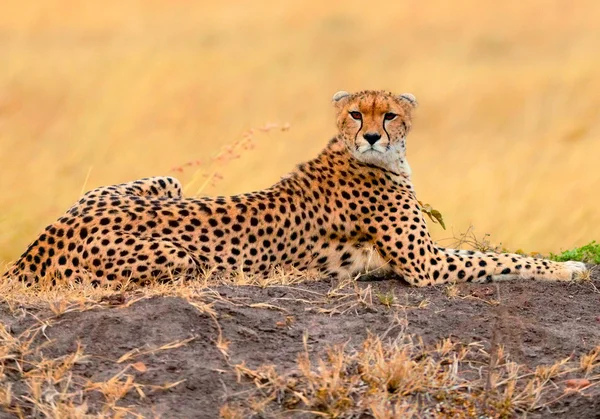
402,377
101,93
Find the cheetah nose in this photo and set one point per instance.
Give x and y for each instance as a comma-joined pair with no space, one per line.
372,137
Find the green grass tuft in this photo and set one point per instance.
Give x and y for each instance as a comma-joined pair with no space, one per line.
590,253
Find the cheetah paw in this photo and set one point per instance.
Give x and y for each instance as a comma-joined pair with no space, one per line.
579,271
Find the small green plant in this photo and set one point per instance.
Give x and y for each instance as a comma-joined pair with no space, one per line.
433,214
386,298
590,253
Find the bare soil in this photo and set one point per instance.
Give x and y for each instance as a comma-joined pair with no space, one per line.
538,323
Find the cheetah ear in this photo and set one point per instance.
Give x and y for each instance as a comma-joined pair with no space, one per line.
340,95
409,98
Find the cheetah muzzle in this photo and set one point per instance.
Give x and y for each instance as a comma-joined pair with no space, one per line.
349,210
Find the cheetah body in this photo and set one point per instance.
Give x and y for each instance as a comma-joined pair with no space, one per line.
350,210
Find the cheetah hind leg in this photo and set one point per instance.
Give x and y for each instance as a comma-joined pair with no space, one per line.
140,260
152,187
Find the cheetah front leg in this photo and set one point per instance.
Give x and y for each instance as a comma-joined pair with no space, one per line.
414,256
465,266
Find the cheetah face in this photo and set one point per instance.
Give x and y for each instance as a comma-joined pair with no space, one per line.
374,125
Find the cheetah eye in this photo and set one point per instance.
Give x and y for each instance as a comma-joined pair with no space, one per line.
389,116
356,115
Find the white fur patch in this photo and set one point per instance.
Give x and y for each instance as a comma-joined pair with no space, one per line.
577,269
391,157
410,98
340,95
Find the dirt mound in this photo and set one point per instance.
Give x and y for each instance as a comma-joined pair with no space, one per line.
171,357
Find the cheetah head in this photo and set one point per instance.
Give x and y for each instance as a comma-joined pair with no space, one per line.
374,125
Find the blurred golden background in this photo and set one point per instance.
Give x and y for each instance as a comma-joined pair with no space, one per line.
506,138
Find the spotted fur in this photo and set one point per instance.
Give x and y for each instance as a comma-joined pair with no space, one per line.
351,209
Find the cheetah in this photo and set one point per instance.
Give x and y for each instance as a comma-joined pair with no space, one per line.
350,210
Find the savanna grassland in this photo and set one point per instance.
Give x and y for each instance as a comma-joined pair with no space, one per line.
228,96
506,139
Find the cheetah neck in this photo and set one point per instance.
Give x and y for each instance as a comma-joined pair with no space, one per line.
336,162
395,162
